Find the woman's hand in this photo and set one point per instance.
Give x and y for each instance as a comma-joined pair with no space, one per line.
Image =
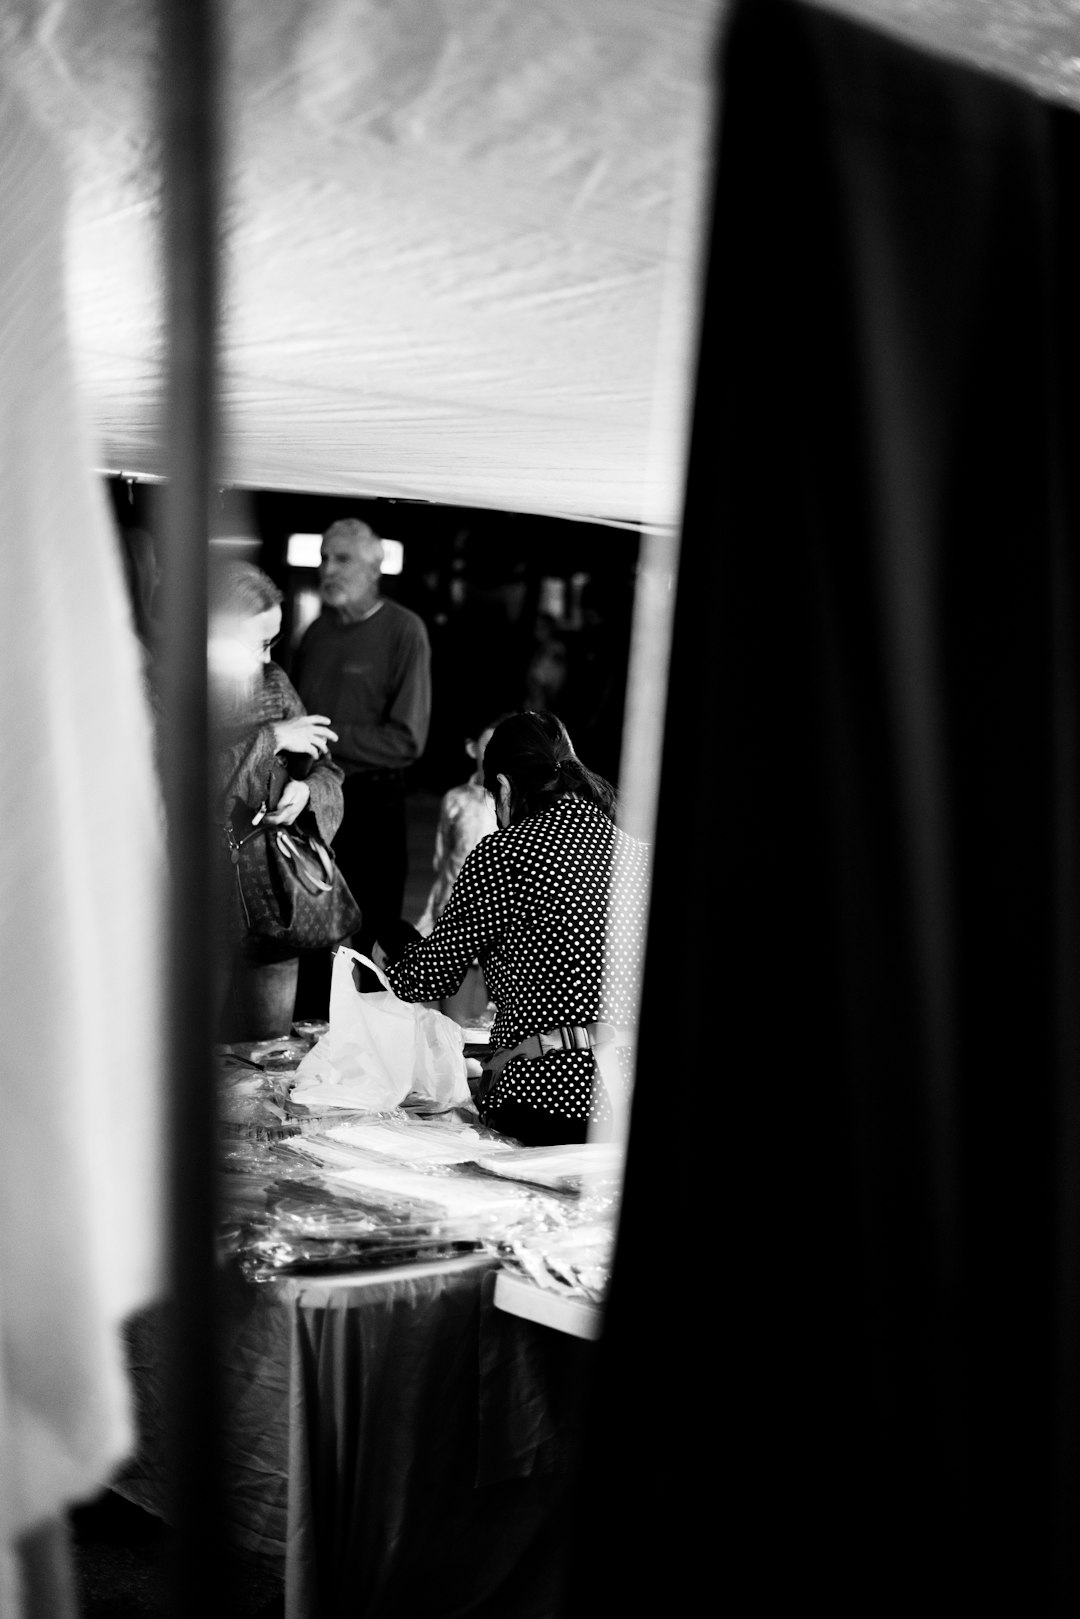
294,798
307,733
379,956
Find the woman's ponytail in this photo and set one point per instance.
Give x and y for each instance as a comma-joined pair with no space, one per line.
535,754
587,784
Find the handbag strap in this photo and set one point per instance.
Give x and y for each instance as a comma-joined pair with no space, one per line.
301,851
366,961
235,844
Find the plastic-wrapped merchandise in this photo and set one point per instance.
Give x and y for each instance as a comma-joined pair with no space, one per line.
241,1155
253,1110
473,1202
266,1258
315,1202
307,1229
575,1262
249,1100
569,1168
254,1101
310,1029
282,1055
365,1191
411,1140
286,1212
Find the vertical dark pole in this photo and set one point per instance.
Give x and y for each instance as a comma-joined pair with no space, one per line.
188,100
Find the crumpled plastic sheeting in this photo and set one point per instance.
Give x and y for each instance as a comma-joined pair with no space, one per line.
461,241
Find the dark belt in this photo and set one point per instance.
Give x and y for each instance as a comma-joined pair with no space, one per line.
567,1037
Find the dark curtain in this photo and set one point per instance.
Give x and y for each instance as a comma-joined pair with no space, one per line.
841,1363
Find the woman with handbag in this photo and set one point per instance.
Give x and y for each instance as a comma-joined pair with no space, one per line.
553,904
276,776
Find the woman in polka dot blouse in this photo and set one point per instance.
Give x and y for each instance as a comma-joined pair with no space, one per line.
539,902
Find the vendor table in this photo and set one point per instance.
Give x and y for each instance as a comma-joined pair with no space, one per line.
398,1446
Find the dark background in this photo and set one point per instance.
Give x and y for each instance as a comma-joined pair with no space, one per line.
480,580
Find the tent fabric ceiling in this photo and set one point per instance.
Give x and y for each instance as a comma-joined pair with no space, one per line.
461,236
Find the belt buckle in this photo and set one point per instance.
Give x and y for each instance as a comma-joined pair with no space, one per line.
574,1037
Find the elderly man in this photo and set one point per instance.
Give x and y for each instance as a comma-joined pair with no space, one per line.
366,661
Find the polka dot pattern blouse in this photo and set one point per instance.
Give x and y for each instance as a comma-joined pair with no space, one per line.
536,903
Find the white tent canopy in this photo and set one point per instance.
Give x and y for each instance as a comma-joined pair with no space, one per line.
461,236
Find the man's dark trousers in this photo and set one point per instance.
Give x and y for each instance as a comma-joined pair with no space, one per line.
372,850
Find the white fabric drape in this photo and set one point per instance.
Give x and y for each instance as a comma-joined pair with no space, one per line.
80,885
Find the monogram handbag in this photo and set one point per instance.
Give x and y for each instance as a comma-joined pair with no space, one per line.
288,882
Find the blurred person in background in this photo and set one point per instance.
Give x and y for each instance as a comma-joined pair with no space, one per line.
264,735
366,662
142,575
466,814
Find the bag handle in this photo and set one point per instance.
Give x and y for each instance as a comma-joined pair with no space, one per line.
366,961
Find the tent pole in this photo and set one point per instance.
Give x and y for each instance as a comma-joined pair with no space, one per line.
189,111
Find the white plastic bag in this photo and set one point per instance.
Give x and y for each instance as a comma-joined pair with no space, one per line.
380,1051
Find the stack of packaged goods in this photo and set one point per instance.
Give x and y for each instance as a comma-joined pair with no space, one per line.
343,1191
385,1189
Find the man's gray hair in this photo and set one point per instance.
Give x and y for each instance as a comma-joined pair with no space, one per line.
352,528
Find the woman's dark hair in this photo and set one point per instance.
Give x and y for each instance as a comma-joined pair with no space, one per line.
535,754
